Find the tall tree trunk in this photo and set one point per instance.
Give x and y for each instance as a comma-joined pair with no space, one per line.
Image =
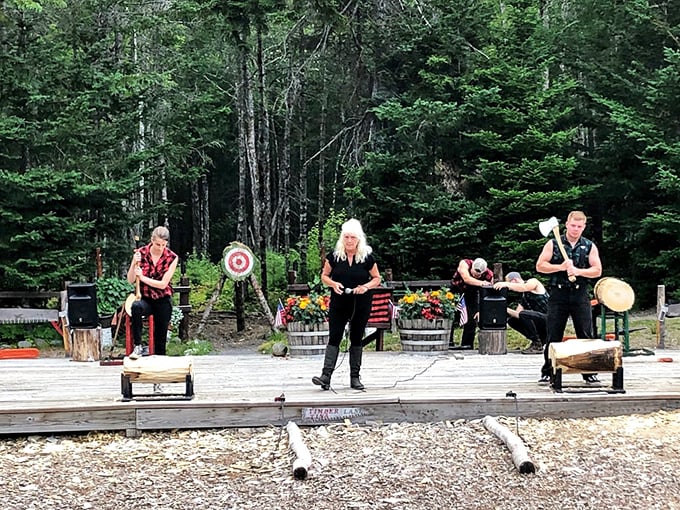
321,213
302,195
264,167
200,212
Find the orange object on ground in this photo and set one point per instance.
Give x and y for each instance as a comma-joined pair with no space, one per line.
21,353
666,360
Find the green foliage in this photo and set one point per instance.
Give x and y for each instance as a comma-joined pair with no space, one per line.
176,347
35,334
204,277
331,233
111,294
274,338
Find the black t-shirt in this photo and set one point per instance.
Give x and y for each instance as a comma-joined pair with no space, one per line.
351,276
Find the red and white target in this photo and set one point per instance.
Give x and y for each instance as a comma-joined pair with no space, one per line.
238,261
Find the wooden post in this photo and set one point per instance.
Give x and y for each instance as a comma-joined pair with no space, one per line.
184,305
660,317
492,341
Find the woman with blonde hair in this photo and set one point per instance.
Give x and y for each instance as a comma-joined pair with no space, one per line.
350,272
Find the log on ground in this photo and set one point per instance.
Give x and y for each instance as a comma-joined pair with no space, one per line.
520,455
303,459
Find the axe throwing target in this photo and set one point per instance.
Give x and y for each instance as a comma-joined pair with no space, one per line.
238,261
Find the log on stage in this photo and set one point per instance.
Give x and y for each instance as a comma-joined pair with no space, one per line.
158,369
586,356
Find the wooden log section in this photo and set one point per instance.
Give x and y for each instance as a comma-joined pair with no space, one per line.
586,356
303,459
520,455
158,369
492,341
86,344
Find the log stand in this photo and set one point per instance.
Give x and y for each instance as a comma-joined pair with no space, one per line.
157,370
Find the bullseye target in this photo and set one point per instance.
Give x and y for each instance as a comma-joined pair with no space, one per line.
238,261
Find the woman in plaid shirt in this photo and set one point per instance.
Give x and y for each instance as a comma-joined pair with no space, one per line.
154,265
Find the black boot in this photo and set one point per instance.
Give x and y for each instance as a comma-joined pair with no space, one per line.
355,353
328,366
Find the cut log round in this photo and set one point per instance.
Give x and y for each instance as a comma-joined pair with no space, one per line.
493,341
586,356
86,344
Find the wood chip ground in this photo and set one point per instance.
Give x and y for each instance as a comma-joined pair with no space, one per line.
616,463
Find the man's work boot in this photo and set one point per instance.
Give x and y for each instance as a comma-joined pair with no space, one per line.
535,348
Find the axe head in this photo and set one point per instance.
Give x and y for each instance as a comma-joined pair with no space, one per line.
547,226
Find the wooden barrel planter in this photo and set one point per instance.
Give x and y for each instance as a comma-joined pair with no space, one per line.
307,339
424,336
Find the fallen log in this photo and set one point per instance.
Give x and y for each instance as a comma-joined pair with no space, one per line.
520,456
303,458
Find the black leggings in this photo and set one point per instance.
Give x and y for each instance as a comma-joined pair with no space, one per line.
161,309
351,308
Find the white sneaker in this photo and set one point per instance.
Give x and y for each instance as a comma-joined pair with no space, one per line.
136,352
157,388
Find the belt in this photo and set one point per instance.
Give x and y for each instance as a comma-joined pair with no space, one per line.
570,286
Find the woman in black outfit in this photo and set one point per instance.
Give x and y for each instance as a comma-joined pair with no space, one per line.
350,272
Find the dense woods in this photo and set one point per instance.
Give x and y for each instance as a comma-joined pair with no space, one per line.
450,128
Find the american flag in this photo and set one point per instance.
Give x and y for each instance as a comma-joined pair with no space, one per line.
463,311
394,310
280,319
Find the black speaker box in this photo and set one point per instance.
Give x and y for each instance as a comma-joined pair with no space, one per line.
82,305
492,308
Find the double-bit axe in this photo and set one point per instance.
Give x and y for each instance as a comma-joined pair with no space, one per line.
552,225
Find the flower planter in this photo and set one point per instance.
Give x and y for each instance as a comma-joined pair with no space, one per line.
307,339
424,336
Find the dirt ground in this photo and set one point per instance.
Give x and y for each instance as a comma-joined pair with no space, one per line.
220,330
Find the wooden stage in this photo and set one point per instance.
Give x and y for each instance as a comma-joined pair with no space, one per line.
47,395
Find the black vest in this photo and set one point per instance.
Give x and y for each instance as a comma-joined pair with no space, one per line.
579,254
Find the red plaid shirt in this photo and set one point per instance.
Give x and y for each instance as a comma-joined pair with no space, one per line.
155,272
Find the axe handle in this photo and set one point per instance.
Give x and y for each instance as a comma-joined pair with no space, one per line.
556,232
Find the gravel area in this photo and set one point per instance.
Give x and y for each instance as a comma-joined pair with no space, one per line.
614,462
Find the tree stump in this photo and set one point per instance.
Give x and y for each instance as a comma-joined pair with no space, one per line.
492,341
86,344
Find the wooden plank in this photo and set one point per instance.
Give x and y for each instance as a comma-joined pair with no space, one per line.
27,315
20,294
673,310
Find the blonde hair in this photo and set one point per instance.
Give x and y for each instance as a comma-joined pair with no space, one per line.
352,227
577,216
161,233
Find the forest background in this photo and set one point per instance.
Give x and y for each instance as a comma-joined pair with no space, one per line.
450,128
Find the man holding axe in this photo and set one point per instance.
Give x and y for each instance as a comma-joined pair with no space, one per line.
570,261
